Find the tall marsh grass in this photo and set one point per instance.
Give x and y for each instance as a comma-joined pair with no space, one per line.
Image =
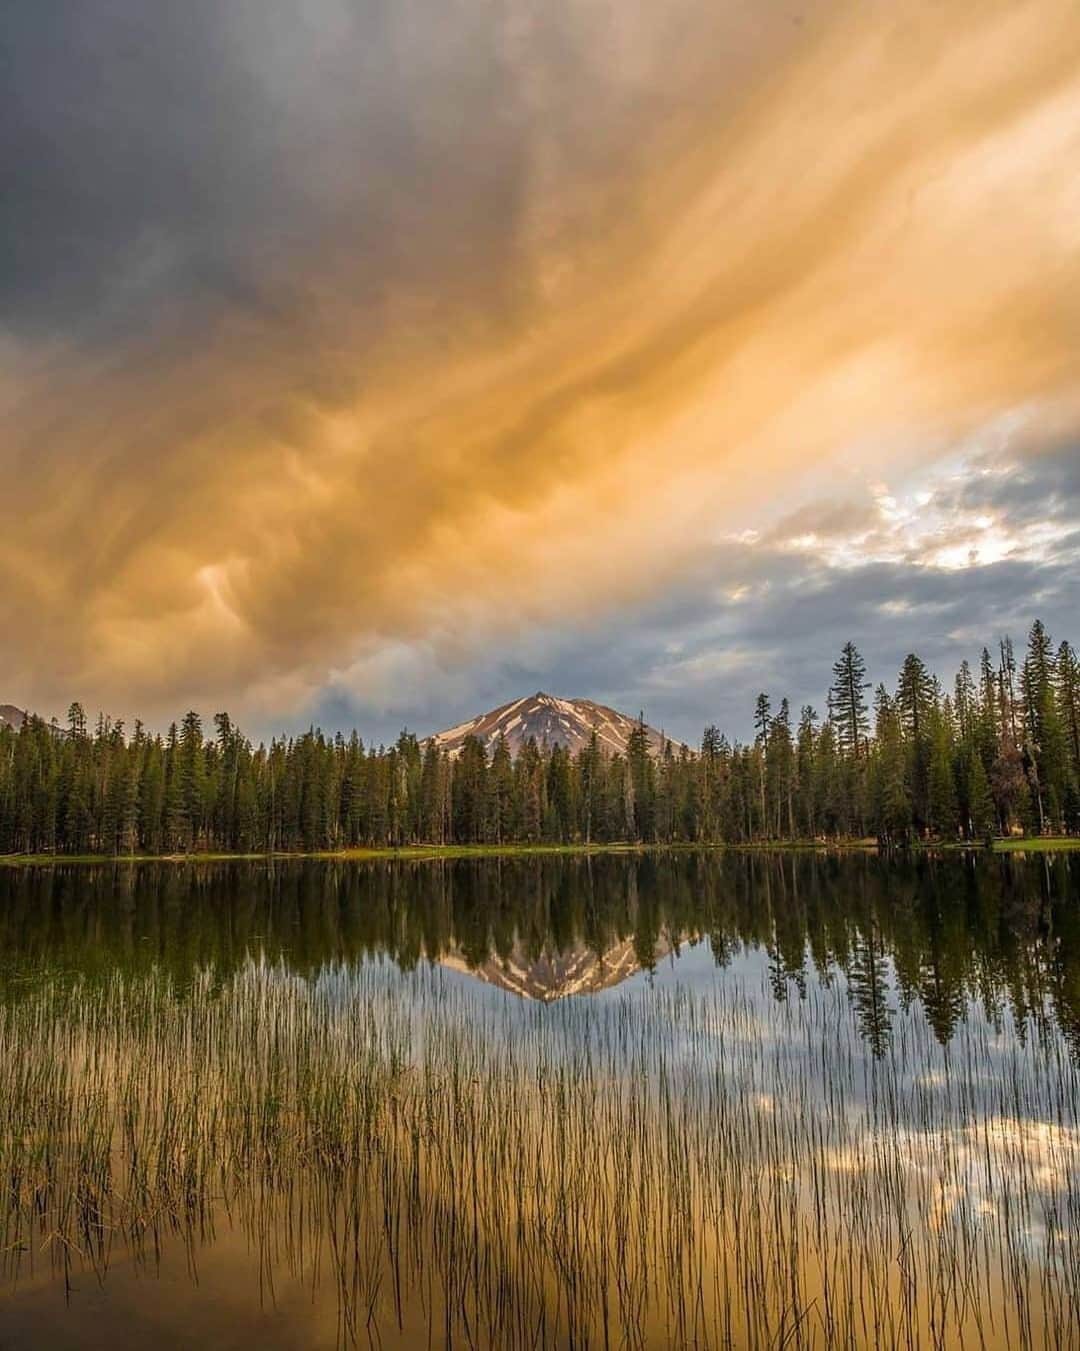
667,1167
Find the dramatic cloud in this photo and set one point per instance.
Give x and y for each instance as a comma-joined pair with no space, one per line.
898,571
351,342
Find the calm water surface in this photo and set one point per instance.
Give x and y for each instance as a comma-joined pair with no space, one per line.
683,1100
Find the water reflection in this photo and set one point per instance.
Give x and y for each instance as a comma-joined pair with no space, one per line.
941,932
677,1100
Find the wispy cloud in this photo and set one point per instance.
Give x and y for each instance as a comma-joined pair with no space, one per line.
354,343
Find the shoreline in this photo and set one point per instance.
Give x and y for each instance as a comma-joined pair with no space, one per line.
1034,845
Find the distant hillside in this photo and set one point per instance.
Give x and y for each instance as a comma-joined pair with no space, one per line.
562,722
10,716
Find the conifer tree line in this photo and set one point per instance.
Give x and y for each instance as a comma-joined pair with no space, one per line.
998,752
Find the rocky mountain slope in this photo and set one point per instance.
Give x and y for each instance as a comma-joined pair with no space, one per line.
10,716
564,722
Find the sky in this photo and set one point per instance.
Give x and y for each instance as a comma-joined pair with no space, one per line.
374,362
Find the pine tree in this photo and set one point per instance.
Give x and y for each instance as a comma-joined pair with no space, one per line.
914,695
847,702
942,807
1068,675
589,774
806,771
762,729
1045,747
980,801
966,702
1007,688
191,772
177,823
501,792
641,773
780,773
892,804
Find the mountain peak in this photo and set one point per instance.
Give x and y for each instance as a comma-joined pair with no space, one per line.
549,718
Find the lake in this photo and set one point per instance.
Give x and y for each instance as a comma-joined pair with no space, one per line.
708,1100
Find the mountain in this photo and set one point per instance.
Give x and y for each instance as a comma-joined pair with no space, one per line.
553,976
564,722
10,716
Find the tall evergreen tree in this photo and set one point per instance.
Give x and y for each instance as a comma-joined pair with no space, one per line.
847,701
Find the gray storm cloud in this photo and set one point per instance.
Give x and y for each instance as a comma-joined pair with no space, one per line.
336,327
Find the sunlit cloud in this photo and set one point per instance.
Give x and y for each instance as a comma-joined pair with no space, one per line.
410,336
928,524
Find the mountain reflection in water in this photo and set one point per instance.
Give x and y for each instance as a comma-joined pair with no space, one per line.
654,1100
1002,932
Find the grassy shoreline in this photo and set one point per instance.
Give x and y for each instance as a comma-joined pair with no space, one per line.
417,851
1038,844
1034,845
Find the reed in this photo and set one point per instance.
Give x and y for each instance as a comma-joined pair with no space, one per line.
668,1167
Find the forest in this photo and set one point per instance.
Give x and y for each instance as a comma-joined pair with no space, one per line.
995,753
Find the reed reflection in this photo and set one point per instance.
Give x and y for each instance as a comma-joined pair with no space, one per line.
672,1100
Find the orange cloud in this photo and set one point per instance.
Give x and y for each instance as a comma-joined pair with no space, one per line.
836,241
